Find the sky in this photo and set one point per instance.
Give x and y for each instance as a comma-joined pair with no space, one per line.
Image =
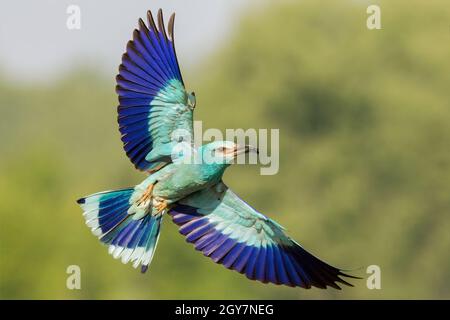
36,44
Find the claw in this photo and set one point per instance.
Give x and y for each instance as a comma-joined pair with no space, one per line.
160,206
157,203
147,195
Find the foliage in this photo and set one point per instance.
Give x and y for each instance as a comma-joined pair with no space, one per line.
364,151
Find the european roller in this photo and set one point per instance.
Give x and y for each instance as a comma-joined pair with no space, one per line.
155,116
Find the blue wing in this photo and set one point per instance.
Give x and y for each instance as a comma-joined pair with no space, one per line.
232,233
153,103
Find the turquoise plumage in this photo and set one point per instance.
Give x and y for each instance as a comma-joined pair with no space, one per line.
155,116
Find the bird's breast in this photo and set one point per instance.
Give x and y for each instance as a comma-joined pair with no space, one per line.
182,182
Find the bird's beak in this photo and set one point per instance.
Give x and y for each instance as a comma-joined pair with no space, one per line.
249,148
240,149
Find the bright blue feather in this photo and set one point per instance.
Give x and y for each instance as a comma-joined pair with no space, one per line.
233,255
261,265
250,268
151,91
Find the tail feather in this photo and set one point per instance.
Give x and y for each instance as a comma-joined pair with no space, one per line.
134,240
104,211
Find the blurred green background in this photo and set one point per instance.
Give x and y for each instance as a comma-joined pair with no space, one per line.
364,119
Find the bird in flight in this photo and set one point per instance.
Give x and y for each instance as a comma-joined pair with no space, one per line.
155,116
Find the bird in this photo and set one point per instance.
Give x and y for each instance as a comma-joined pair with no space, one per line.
155,117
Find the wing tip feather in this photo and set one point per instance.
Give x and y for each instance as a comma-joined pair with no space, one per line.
170,26
151,21
161,27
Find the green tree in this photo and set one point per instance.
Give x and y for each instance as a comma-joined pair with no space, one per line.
365,158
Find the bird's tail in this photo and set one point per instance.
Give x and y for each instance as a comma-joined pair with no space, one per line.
128,238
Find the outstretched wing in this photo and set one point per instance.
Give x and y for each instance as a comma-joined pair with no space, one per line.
232,233
153,101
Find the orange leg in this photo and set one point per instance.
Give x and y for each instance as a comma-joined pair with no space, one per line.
146,195
161,205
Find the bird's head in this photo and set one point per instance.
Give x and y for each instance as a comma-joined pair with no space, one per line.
223,153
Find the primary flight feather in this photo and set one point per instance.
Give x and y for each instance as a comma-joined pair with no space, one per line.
155,116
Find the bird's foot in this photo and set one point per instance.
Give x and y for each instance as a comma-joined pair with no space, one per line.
147,195
159,205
